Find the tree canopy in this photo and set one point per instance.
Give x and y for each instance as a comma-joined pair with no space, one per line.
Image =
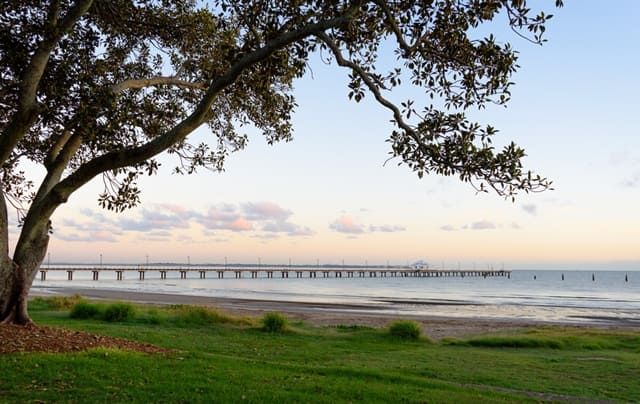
101,87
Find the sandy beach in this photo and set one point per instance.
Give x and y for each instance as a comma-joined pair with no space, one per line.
435,327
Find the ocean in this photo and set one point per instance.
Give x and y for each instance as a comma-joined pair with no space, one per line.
539,295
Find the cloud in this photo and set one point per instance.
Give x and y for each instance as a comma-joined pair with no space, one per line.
266,216
265,211
158,235
90,226
91,232
515,226
90,237
93,214
301,232
240,224
632,182
478,225
273,219
482,225
530,209
183,238
266,236
346,224
386,228
287,227
224,217
158,221
160,217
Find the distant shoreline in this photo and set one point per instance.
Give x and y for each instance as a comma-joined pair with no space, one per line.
322,313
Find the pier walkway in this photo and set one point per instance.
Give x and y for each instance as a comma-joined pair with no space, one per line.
278,272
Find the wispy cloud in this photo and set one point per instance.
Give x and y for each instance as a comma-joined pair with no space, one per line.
387,228
288,228
97,230
482,225
346,224
156,236
160,217
90,237
479,225
632,182
265,211
350,225
530,209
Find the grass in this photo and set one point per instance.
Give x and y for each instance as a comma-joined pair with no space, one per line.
406,329
274,322
220,358
114,312
54,302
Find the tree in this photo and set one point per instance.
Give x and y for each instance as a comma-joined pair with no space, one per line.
101,87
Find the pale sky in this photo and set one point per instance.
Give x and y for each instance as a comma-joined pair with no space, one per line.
328,195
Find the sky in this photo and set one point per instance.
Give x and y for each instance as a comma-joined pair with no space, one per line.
329,197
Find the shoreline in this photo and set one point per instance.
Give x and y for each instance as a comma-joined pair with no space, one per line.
333,314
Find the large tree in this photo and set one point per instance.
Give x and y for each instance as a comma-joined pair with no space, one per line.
101,87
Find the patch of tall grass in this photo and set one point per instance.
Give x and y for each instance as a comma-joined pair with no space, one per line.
86,310
114,312
200,315
181,315
274,322
54,303
118,312
509,342
557,338
406,329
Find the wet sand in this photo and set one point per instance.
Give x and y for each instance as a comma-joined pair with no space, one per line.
435,327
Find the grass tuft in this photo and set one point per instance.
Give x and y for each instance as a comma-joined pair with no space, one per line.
118,312
274,322
198,315
511,342
55,303
153,315
85,310
405,329
554,338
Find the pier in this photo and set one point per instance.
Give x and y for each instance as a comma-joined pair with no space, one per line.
140,272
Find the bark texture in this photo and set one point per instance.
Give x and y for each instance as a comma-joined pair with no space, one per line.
17,274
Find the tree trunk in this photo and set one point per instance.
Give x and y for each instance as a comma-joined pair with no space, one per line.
15,283
16,277
14,290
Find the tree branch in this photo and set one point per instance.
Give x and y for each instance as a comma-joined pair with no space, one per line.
52,155
128,157
27,110
369,82
58,163
155,81
395,29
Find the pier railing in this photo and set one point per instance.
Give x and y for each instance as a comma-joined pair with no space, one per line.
279,272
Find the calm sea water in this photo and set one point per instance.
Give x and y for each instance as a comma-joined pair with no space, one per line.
582,296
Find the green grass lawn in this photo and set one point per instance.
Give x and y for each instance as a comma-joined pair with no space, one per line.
222,359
